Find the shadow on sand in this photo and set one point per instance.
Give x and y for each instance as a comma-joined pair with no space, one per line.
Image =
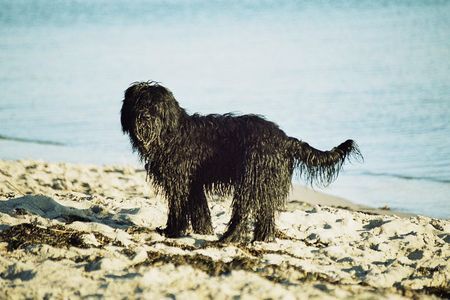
47,207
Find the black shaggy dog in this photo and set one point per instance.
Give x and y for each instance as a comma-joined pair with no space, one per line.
245,156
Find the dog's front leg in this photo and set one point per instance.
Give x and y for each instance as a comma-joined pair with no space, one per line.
178,217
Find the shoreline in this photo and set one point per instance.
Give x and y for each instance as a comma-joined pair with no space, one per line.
77,230
309,196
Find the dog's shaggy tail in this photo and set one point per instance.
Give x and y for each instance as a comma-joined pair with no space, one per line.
322,167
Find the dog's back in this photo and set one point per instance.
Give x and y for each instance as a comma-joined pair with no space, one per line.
223,142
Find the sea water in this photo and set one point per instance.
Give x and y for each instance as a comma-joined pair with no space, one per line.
325,71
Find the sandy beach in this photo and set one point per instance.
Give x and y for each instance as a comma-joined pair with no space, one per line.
70,231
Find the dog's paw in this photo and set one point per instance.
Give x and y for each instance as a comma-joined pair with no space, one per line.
169,233
233,238
265,239
160,230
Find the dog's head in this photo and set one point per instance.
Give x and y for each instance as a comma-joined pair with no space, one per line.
143,98
149,110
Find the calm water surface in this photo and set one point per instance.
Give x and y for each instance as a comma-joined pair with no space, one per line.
324,71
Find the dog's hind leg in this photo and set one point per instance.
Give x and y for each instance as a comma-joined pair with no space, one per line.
199,211
237,227
273,185
265,225
243,199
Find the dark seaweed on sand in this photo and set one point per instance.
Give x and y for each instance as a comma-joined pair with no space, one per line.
23,235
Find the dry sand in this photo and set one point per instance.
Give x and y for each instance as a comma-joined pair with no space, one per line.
83,231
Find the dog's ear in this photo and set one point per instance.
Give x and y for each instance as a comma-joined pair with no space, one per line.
132,93
129,93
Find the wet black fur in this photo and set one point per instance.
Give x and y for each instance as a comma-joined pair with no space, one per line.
245,156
